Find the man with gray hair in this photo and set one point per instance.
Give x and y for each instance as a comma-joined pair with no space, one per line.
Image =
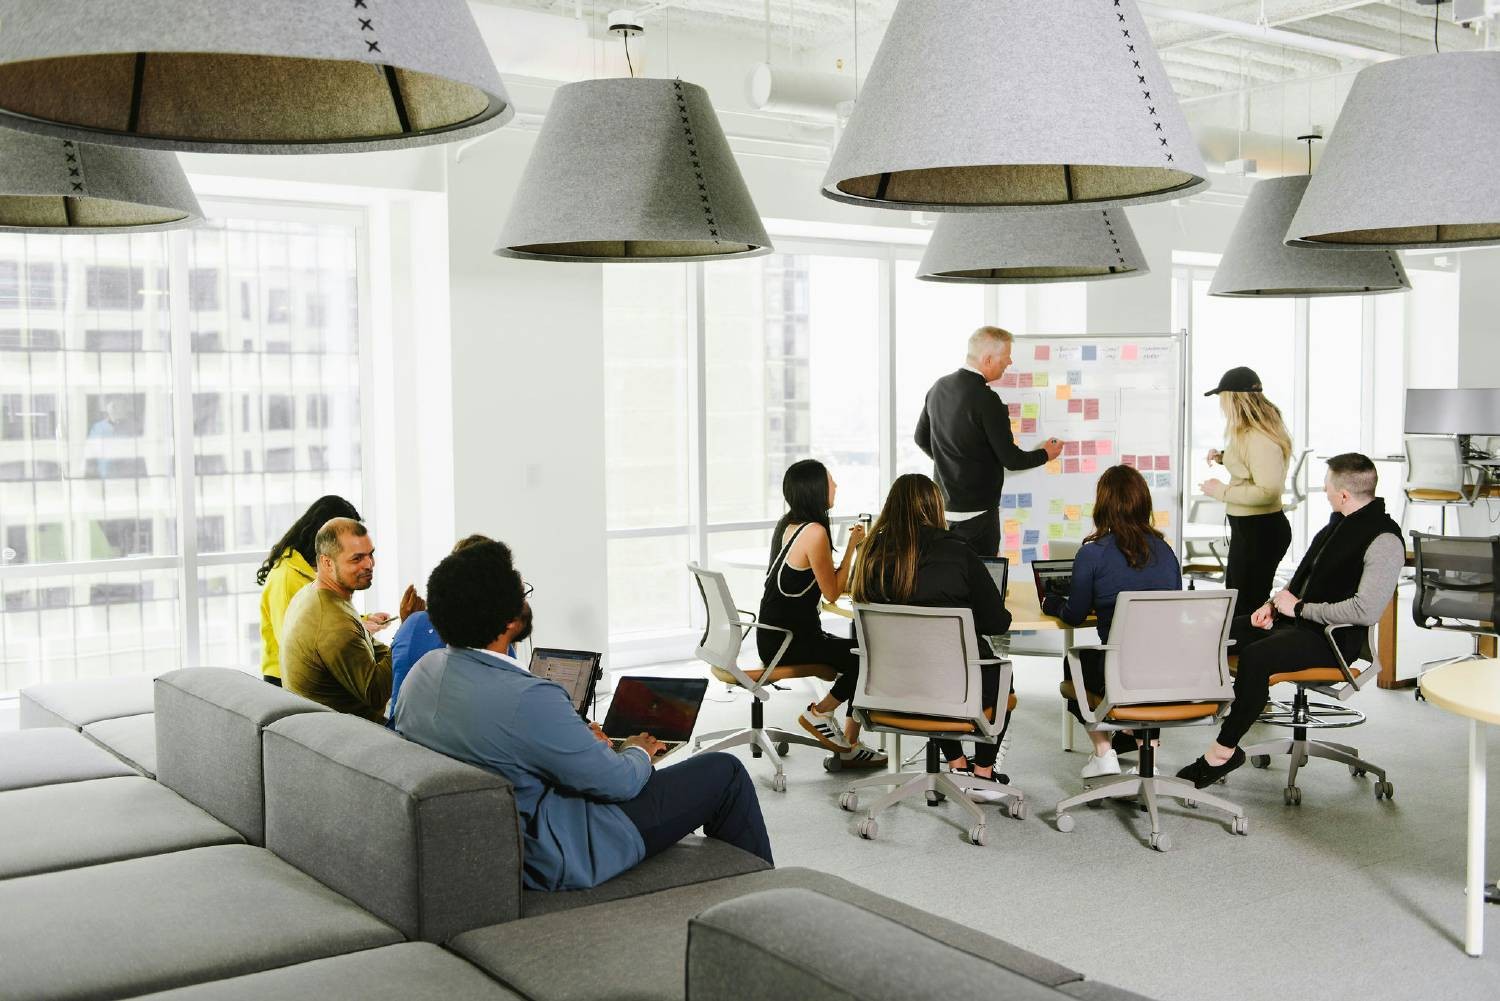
327,651
965,430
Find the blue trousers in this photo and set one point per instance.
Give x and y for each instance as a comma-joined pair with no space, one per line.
712,791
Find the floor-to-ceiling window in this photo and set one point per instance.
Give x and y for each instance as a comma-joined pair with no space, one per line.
168,404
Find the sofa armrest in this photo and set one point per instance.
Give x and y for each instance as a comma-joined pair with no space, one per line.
793,943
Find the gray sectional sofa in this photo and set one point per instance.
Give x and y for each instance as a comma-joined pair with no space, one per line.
285,851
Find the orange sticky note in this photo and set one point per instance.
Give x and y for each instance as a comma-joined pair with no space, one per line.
1064,391
1161,518
1054,467
1012,526
1073,512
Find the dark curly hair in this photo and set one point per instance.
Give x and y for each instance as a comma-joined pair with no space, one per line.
303,533
473,594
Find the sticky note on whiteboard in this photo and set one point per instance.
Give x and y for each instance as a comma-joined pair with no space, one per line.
1161,519
1031,410
1024,500
1012,526
1041,379
1043,352
1028,556
1072,512
1090,352
1055,507
1033,536
1075,405
1104,447
1089,464
1064,391
1054,467
1130,352
1055,530
1028,425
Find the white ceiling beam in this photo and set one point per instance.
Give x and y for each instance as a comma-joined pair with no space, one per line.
1271,36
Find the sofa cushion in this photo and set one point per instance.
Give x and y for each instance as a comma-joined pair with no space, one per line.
406,972
52,755
132,739
691,860
799,944
103,820
76,704
427,843
149,924
208,724
648,936
1093,990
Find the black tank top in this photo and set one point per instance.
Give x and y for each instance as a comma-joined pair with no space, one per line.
790,600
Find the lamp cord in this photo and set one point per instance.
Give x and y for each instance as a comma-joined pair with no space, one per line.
627,55
1435,8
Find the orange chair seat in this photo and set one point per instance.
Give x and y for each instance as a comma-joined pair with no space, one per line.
782,673
1166,713
932,724
1430,494
1071,694
1307,675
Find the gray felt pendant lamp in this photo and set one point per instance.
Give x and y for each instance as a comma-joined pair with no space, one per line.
632,170
1258,263
251,76
1412,162
1009,103
52,185
1020,248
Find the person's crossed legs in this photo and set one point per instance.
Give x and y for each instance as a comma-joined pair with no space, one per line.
712,791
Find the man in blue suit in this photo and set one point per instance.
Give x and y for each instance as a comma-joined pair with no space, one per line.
587,812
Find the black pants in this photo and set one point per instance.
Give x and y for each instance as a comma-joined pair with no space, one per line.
1286,646
1256,545
712,791
981,533
808,647
1092,664
270,680
984,754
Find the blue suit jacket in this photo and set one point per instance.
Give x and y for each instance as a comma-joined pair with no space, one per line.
489,711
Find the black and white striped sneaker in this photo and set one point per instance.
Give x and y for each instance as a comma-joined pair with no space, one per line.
863,756
825,728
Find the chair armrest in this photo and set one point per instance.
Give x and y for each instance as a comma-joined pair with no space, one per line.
753,616
1093,646
753,685
1328,632
1080,690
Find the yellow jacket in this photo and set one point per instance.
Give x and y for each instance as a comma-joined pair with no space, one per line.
290,575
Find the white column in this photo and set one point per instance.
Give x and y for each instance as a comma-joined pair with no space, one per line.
1475,903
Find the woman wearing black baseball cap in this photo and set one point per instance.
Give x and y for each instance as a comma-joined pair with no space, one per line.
1257,452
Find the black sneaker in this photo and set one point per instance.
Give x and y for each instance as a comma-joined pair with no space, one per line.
1202,774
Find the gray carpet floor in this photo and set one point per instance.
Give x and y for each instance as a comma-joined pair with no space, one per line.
1341,897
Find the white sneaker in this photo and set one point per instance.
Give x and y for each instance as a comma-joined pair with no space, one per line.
825,728
989,793
1097,766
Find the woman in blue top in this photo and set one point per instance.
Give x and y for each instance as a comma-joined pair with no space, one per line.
1124,553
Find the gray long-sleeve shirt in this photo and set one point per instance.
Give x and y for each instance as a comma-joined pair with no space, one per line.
1377,582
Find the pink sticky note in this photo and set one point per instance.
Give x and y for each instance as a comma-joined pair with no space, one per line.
1025,378
1014,408
1043,352
1008,381
1028,425
1145,462
1105,447
1070,465
1130,352
1091,410
1163,462
1070,448
1129,460
1090,465
1075,406
1087,447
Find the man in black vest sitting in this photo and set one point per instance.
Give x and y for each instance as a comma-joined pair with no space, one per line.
1347,576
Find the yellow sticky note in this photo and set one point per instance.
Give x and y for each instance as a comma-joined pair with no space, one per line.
1040,379
1064,391
1014,555
1012,526
1032,410
1055,530
1072,512
1075,529
1161,519
1088,510
1054,468
1055,507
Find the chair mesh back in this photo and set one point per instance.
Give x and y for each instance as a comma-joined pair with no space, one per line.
1434,463
720,643
916,655
1169,647
1456,577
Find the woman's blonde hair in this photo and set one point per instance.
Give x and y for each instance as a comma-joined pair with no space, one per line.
887,567
1246,412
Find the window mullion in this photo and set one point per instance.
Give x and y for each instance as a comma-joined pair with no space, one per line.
183,446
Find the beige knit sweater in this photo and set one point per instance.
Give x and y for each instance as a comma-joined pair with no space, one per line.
1257,474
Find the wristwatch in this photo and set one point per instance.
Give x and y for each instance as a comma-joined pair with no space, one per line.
1297,609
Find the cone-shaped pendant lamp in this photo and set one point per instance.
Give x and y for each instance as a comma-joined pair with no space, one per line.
632,170
251,76
1257,261
52,185
1019,248
1006,103
1414,160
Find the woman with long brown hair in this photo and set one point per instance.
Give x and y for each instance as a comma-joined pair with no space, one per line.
910,558
1125,552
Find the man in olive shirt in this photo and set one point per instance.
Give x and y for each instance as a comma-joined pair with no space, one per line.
327,654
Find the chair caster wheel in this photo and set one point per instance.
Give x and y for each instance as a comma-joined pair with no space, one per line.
1064,822
1191,804
782,747
1356,771
778,782
1161,842
979,835
1240,826
1292,796
867,829
935,799
1017,809
1303,762
1260,761
756,752
849,802
1384,790
833,763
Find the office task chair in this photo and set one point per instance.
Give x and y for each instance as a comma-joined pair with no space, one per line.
1295,491
1338,680
919,675
1204,559
719,648
1456,588
1436,473
1164,667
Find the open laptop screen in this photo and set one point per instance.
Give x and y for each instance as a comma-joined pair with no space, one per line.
573,669
666,708
1053,577
999,568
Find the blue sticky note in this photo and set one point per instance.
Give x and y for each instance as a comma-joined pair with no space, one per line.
1075,377
1090,352
1008,500
1033,536
1025,500
1028,555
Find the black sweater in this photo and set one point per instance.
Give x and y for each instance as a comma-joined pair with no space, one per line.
965,430
949,575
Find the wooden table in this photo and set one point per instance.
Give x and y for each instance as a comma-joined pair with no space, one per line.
1026,616
1472,689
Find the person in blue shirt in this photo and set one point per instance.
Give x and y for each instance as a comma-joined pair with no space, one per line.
588,813
1124,553
416,638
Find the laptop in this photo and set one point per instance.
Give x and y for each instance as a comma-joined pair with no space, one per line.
577,671
999,568
1053,577
666,708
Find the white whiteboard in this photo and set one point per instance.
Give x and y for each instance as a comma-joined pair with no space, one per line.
1111,398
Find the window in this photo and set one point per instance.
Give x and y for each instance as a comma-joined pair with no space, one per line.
90,461
279,306
317,310
933,324
10,283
